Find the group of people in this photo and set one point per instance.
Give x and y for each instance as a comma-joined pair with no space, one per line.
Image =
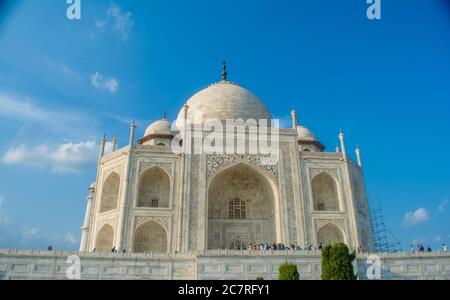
281,247
278,247
421,248
114,250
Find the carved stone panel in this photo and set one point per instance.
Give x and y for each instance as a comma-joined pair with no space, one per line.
144,166
322,222
163,221
332,172
219,161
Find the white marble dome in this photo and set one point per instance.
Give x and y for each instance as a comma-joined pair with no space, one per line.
224,101
304,134
160,127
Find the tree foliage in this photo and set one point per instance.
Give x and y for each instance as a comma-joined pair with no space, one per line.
288,271
337,263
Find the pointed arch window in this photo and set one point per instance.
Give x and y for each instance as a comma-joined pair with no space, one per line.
237,209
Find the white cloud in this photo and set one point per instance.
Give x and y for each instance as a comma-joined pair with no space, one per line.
30,233
110,84
60,158
443,205
418,217
70,238
117,20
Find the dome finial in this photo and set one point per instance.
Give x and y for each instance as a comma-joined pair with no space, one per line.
224,71
165,115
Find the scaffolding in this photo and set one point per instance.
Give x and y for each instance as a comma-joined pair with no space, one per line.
384,239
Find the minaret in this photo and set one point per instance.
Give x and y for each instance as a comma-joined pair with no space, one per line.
352,207
102,147
114,144
224,71
132,131
358,156
294,118
344,151
87,220
120,242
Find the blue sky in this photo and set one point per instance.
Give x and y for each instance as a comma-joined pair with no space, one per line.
63,84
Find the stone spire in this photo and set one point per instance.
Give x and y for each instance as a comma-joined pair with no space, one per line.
224,71
114,144
358,156
342,139
294,118
132,131
102,147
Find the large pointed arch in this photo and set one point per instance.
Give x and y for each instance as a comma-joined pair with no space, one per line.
110,193
154,189
242,206
105,239
150,237
330,234
325,193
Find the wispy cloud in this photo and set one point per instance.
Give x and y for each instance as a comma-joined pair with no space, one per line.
63,158
415,218
141,123
443,205
118,20
61,68
35,120
71,238
19,235
109,84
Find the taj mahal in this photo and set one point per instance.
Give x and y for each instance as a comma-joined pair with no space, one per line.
193,199
149,198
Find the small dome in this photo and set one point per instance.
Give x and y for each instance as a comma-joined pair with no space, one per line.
304,134
160,127
224,101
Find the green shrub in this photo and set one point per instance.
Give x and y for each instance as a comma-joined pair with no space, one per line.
288,271
337,263
259,278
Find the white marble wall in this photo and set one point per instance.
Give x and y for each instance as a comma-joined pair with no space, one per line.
44,265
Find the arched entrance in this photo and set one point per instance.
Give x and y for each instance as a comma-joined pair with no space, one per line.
242,209
150,237
330,234
325,193
154,189
110,193
105,239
